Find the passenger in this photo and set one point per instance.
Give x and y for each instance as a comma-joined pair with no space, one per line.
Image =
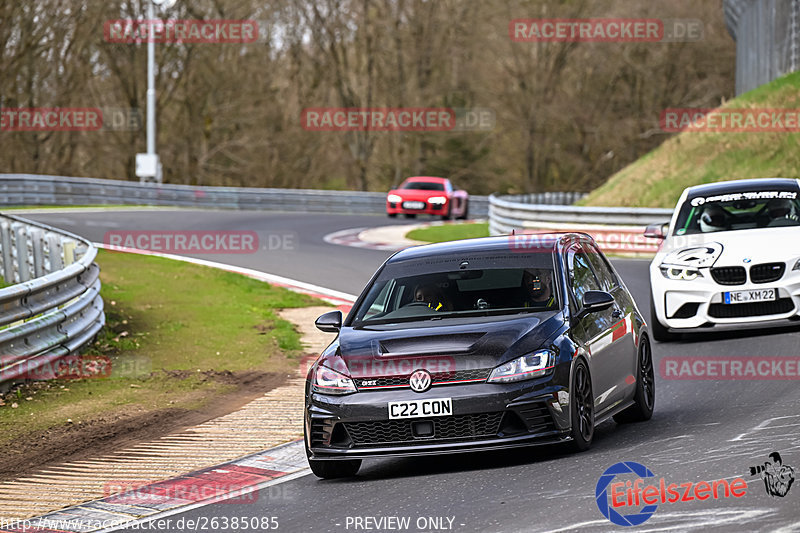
538,286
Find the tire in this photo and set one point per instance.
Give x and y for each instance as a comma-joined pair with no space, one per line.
645,396
391,215
410,215
449,214
660,333
466,211
581,408
334,469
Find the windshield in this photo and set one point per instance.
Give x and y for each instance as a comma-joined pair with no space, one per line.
738,211
423,185
395,297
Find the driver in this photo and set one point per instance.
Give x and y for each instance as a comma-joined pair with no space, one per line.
538,285
431,295
713,219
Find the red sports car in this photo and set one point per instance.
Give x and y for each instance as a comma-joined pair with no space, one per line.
429,196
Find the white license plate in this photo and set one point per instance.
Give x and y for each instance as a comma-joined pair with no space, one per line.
421,408
745,297
414,205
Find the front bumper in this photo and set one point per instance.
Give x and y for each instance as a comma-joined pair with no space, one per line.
687,305
429,209
485,416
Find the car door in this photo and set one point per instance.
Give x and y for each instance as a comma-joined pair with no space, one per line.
622,349
594,329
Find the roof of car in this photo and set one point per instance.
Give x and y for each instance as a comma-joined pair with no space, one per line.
426,178
748,185
505,243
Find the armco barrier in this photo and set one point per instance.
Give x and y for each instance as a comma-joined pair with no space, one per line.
52,306
31,190
616,229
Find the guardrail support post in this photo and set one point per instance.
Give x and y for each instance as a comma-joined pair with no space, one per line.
37,243
21,242
69,252
7,255
54,253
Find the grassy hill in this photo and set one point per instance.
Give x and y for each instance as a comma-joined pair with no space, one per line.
692,158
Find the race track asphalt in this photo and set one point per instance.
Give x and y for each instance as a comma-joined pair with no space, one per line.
701,430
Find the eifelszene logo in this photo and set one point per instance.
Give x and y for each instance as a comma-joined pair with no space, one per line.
613,499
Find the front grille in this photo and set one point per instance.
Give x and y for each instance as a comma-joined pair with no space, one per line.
735,275
446,428
767,272
776,307
436,378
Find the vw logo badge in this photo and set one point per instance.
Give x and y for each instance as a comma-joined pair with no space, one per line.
747,259
420,381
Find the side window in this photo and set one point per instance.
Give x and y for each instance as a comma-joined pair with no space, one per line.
380,304
608,280
581,276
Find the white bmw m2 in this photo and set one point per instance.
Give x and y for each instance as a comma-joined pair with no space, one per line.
730,257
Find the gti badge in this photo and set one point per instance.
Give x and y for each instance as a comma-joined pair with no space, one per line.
420,381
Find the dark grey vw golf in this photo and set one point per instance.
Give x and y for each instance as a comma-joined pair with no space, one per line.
475,345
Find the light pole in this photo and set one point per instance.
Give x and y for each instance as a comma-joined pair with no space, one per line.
148,166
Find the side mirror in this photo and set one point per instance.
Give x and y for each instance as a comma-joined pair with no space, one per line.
594,301
330,322
657,231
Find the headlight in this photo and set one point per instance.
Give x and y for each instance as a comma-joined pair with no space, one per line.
437,200
796,265
674,272
329,381
528,366
394,198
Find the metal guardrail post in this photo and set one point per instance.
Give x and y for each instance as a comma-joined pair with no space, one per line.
37,243
54,253
69,252
21,246
7,255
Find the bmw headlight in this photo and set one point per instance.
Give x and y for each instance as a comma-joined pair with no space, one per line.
326,380
685,264
529,366
673,272
437,200
394,198
796,265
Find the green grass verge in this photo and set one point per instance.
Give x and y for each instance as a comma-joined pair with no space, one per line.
175,331
450,232
692,158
